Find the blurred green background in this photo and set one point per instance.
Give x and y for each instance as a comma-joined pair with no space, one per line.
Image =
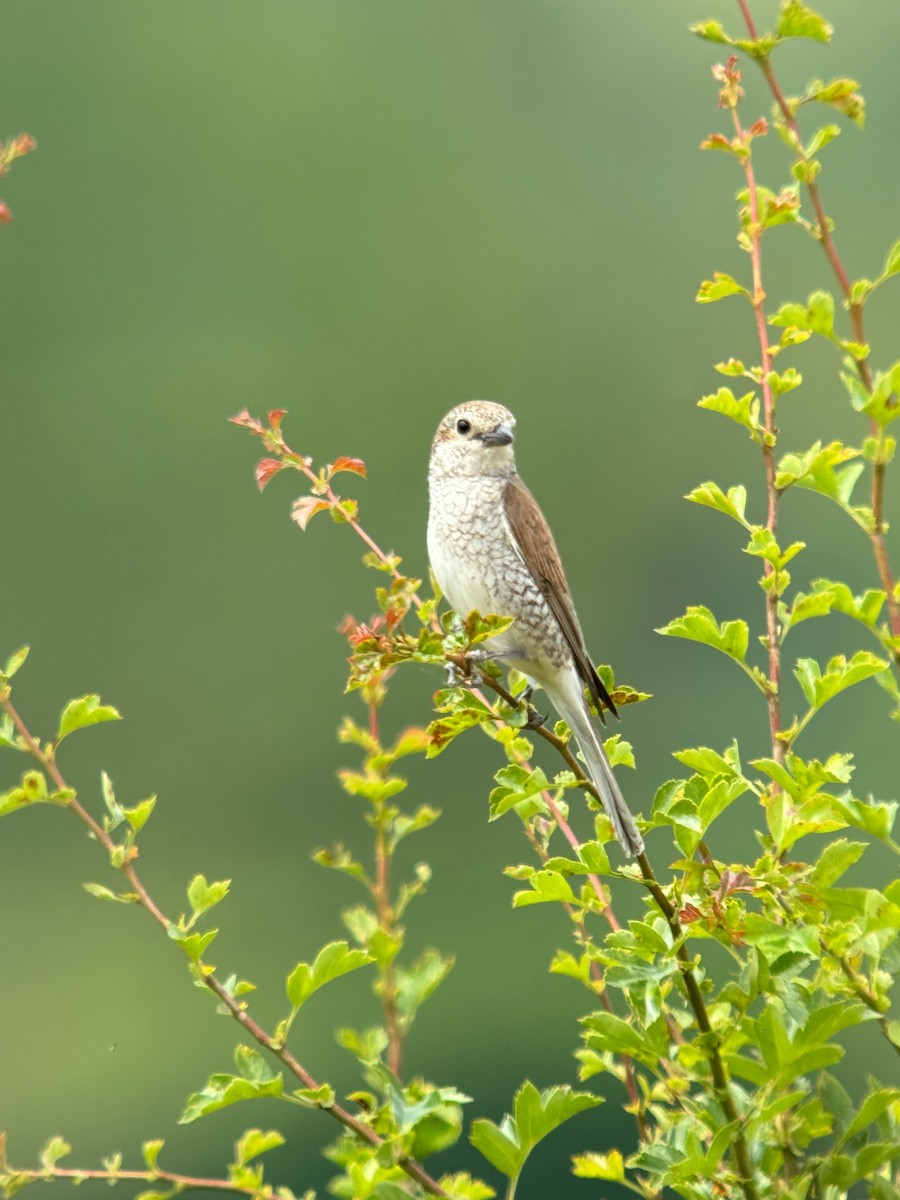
365,211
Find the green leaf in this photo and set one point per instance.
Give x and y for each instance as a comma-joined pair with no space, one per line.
322,1096
254,1142
546,886
416,983
14,662
592,1165
193,944
518,786
53,1151
535,1114
873,1107
333,960
842,94
797,20
31,790
840,673
732,503
775,941
256,1079
699,625
86,710
891,267
743,411
151,1150
834,860
461,1186
137,816
717,288
104,893
202,896
366,1045
816,469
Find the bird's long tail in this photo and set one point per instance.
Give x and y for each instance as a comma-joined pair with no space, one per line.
578,718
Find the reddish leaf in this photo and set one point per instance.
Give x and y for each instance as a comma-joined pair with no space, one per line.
305,508
265,469
356,465
689,913
276,416
5,214
244,419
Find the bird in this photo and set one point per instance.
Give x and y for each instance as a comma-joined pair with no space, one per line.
491,549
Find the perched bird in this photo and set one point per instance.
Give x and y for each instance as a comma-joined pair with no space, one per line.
491,549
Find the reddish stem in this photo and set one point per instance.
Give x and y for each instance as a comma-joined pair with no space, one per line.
855,309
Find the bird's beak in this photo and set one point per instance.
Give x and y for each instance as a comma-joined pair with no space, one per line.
501,436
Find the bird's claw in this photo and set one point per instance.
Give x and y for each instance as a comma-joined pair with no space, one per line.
534,719
465,674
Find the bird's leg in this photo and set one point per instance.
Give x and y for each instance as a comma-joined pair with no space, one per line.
535,719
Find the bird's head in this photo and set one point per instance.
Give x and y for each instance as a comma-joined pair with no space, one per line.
475,438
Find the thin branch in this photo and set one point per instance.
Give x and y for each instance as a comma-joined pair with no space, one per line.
183,1183
757,300
234,1006
692,987
855,309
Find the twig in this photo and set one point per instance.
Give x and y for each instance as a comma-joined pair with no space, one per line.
855,309
691,985
757,299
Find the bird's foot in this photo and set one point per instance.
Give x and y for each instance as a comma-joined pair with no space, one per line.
462,671
534,719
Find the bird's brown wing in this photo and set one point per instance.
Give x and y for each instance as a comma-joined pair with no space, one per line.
535,543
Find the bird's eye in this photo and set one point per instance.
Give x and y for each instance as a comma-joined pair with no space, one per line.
463,426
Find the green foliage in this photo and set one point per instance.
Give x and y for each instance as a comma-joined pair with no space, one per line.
724,1003
535,1115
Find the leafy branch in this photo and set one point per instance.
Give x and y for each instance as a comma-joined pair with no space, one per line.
244,1177
255,1078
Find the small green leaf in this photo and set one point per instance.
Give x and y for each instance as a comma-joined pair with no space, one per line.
891,267
193,944
321,1097
202,896
535,1114
717,288
593,1165
151,1150
834,860
699,625
732,503
14,662
743,411
86,710
333,960
137,816
461,1186
819,687
104,893
256,1079
546,886
414,984
797,20
254,1142
53,1151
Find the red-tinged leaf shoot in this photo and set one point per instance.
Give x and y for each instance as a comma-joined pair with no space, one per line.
265,469
276,416
244,419
304,509
5,214
356,465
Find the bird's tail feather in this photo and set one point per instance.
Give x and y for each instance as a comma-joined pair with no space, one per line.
601,773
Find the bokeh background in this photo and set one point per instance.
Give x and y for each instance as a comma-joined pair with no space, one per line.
365,211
